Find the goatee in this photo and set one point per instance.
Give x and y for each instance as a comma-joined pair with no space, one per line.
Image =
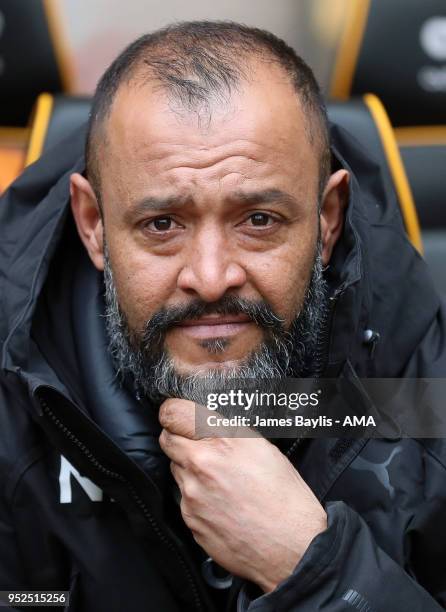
141,358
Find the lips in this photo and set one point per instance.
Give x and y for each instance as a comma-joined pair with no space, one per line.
215,326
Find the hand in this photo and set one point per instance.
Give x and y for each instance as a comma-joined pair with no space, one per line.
244,502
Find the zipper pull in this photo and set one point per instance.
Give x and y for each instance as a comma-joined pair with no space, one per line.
371,338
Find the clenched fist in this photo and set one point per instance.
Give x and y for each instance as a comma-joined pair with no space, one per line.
244,502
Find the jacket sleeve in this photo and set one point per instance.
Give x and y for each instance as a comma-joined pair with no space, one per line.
344,570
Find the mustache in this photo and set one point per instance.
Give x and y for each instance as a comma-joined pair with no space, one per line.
260,312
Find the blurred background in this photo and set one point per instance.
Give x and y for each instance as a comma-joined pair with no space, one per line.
97,29
52,53
65,45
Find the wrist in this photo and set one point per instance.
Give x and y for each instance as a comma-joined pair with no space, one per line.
282,566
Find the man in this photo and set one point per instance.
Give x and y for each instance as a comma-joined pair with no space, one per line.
212,236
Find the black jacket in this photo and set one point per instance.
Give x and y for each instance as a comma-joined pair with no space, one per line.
85,488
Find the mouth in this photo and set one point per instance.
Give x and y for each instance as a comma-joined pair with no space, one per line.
215,326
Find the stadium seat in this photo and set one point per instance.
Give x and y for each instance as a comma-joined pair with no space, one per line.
32,59
38,63
397,50
54,118
367,120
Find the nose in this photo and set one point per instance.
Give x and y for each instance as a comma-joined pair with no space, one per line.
211,267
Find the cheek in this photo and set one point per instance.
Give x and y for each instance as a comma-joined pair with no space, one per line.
143,285
283,277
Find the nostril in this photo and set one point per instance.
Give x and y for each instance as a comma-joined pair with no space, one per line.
211,278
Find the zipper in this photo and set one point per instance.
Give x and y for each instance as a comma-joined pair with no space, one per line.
321,357
322,344
136,498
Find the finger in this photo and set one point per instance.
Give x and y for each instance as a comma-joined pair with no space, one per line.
177,448
178,473
178,416
186,485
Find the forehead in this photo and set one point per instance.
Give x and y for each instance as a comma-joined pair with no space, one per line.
260,128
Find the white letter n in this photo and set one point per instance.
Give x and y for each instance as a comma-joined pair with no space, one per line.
66,471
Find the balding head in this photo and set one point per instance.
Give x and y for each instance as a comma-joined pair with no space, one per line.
199,65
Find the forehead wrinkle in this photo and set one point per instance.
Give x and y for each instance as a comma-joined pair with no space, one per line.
181,154
200,152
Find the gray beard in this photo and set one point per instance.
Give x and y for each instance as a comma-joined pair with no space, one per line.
141,359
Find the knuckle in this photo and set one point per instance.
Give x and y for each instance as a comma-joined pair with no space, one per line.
165,439
199,460
197,536
173,469
191,519
166,413
189,493
186,512
203,467
222,446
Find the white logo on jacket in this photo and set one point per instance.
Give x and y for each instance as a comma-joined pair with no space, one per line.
68,471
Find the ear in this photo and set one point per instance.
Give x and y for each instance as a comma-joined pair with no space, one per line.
334,203
88,218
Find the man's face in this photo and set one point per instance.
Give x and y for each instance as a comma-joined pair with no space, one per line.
198,210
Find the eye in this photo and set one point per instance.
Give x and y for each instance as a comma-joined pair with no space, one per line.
161,224
260,219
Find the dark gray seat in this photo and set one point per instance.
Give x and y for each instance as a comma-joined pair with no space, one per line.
397,50
31,57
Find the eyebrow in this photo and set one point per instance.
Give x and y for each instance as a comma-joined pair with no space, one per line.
267,196
159,204
151,204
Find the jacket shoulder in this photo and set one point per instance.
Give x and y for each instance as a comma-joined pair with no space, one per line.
20,438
